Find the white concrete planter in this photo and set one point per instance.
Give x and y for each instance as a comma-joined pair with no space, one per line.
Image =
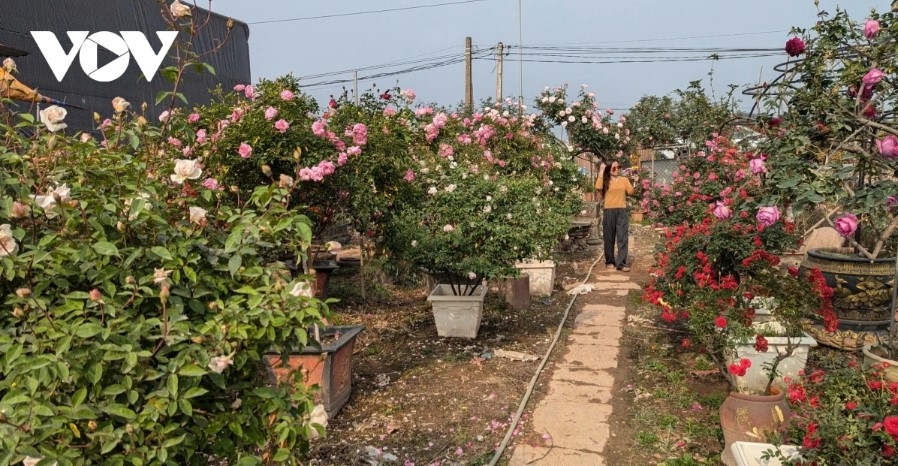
755,379
457,316
750,453
542,276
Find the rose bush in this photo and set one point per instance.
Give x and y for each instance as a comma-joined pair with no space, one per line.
834,143
844,415
493,192
710,271
139,301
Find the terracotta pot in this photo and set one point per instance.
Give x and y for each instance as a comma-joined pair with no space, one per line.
752,418
329,367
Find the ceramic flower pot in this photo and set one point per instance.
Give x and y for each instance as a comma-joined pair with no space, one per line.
542,276
755,378
877,355
455,315
862,295
752,418
329,367
752,453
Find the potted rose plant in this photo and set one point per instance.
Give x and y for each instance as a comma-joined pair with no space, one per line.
492,194
708,276
833,140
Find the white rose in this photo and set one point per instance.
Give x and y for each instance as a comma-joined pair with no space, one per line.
179,10
301,289
119,104
8,244
186,170
198,215
31,461
9,65
160,275
318,416
285,181
53,117
219,363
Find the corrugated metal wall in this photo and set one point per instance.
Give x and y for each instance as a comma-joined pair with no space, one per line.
19,17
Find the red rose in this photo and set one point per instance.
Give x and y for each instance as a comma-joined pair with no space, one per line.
760,344
888,451
851,405
720,322
890,424
794,47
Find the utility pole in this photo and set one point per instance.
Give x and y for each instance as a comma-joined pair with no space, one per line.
469,86
355,85
499,50
521,49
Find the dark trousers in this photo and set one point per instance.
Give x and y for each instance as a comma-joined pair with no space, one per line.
615,228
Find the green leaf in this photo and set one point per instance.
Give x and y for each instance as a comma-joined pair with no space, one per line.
88,330
173,441
105,248
282,455
190,274
79,397
120,411
161,252
248,461
194,392
192,370
234,264
83,412
108,443
186,407
172,385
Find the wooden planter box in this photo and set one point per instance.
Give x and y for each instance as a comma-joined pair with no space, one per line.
329,367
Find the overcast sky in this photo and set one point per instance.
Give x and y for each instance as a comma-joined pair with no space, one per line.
429,35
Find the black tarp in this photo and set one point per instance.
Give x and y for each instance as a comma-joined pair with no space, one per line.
19,17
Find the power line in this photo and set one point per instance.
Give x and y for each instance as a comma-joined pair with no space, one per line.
368,12
674,38
648,60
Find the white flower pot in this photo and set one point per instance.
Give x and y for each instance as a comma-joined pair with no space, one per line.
751,453
457,316
755,378
542,276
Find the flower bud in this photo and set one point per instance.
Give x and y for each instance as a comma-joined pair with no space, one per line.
130,280
198,339
95,295
18,312
120,226
51,143
230,24
234,189
266,170
92,425
164,293
213,306
86,137
143,108
97,117
19,210
141,121
129,429
297,154
23,293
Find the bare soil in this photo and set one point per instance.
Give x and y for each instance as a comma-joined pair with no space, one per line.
421,399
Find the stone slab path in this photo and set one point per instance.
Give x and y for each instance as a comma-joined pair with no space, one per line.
576,410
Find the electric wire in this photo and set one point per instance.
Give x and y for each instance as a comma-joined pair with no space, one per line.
368,12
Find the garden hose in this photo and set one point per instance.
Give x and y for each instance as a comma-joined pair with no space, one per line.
539,370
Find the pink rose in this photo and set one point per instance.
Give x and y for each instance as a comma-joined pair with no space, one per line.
410,94
210,183
768,215
249,92
757,166
245,150
846,224
270,113
281,125
873,77
871,28
193,117
721,211
888,147
201,136
286,94
239,88
409,175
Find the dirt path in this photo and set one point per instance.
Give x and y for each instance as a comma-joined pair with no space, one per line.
573,418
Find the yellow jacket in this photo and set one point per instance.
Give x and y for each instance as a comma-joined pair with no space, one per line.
618,189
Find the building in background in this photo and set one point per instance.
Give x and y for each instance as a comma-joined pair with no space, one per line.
20,17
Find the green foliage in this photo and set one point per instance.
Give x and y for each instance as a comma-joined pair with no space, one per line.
138,305
824,119
690,117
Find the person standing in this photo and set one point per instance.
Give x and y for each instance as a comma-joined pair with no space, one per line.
615,217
